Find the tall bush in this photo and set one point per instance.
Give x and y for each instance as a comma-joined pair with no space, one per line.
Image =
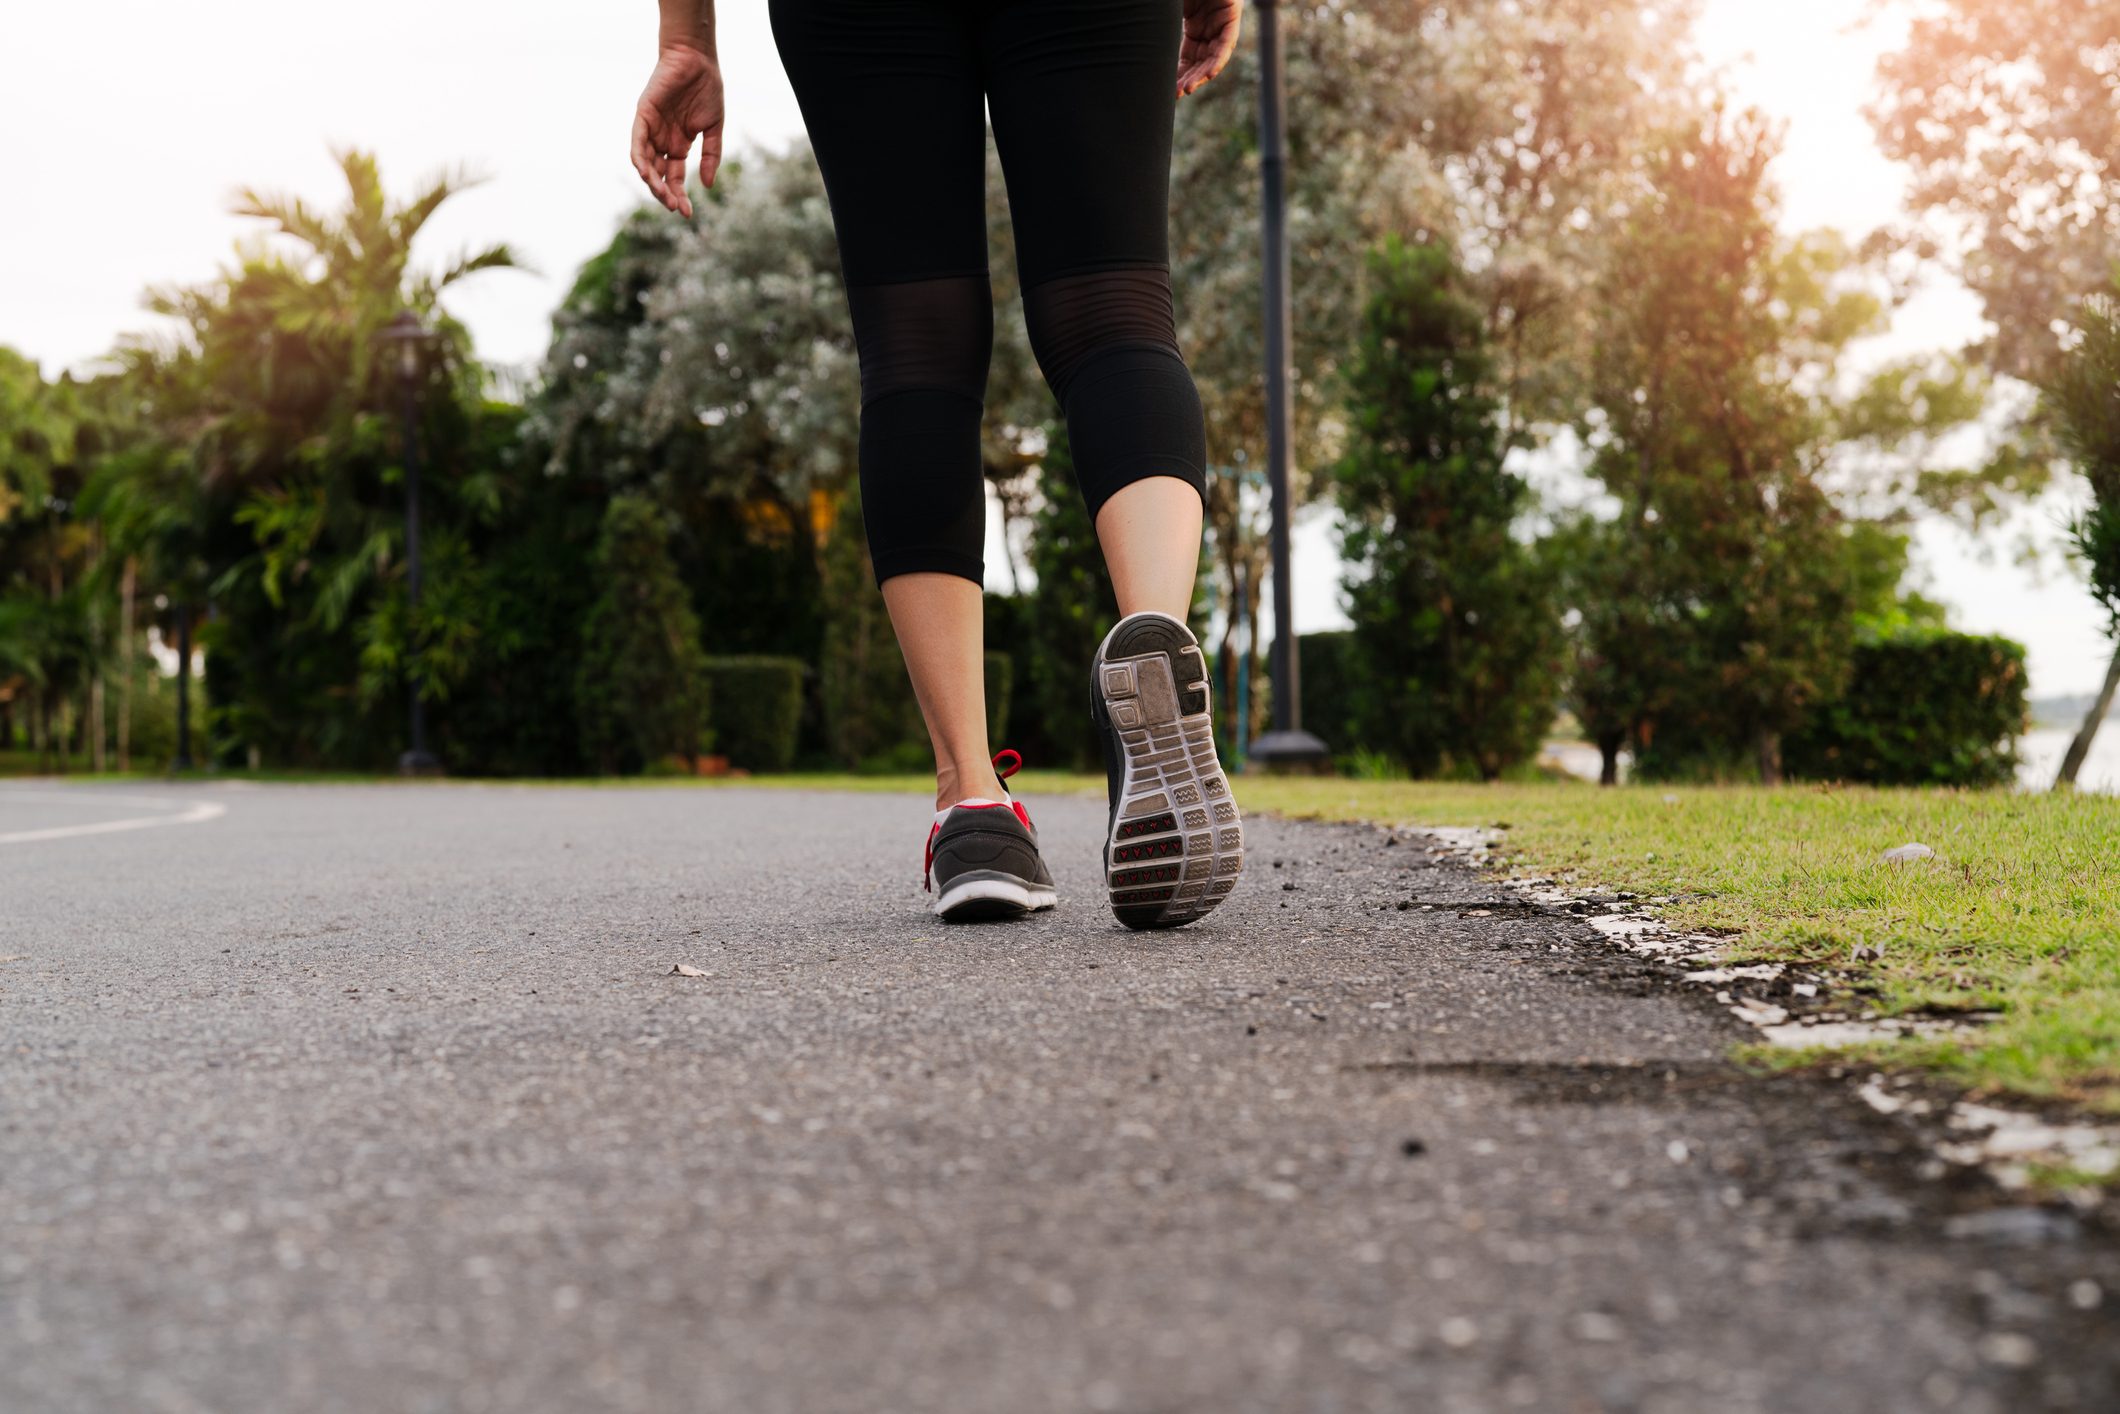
1457,640
1725,595
871,718
1071,608
640,690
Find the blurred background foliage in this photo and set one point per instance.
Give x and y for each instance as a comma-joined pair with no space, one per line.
1511,224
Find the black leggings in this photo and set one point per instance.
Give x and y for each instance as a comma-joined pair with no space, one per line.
1082,94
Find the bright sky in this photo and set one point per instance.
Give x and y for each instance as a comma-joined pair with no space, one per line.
130,124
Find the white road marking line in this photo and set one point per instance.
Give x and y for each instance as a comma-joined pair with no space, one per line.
194,815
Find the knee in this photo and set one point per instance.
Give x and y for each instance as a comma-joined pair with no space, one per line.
1107,343
924,336
924,346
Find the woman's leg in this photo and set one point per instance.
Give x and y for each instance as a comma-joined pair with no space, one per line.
891,94
1082,95
1150,531
938,621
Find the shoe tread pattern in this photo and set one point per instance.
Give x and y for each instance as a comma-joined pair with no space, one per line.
1152,681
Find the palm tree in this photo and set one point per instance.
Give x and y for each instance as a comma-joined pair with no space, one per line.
47,643
278,406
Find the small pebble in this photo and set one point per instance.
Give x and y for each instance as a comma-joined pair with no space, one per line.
2009,1349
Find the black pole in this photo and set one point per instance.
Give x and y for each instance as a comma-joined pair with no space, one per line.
418,760
183,760
1287,744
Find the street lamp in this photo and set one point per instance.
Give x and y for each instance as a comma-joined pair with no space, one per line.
410,337
1287,746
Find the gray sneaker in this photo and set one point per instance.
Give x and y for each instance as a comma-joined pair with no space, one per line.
1174,846
983,862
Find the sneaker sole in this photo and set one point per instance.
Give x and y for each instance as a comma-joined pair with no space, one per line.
1175,846
983,896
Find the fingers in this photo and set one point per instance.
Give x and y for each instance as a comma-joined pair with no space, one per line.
674,178
709,156
643,155
1206,54
659,169
1196,73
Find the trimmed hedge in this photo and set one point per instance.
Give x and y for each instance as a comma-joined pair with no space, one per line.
756,710
1926,708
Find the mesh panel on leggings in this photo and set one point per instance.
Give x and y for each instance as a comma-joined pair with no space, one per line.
1074,317
1108,343
930,335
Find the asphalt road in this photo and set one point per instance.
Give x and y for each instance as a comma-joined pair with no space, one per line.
383,1099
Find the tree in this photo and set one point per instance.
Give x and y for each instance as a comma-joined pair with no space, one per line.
1730,566
1630,643
870,715
1456,638
276,398
1508,130
52,637
640,687
2084,397
1071,609
710,365
712,356
2008,115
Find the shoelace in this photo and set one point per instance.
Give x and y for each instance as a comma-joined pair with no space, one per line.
1001,772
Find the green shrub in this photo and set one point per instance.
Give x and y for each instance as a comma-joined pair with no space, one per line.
1000,684
1067,615
640,686
1924,708
1008,620
871,720
757,709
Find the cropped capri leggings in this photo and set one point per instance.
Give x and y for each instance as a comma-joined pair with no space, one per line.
1082,95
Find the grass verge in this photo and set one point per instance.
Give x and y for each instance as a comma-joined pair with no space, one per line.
2019,912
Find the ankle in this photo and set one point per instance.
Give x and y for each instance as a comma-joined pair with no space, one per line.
953,785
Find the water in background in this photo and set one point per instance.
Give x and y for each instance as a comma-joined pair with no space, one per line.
2040,752
2043,748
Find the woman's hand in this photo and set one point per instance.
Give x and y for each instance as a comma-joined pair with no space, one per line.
1210,38
681,102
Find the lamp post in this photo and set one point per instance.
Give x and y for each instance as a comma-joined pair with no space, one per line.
410,338
182,760
1287,746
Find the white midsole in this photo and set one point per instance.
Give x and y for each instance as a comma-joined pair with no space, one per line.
1004,890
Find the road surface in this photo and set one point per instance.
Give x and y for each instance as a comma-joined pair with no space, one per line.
385,1099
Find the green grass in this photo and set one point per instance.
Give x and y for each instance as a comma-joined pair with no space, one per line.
2019,912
